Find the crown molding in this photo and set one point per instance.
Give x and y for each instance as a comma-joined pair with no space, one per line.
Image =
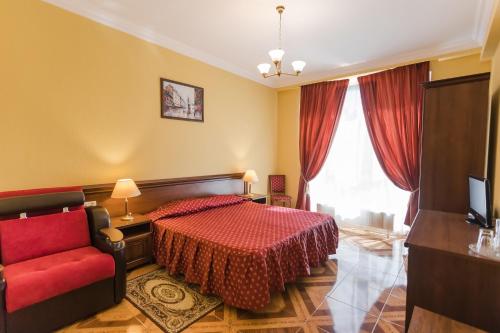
436,51
158,39
493,37
482,20
483,15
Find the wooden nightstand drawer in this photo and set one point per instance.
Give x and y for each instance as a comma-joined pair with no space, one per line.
257,198
138,250
138,238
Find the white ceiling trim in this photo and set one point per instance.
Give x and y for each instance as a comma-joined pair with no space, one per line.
433,52
482,19
158,39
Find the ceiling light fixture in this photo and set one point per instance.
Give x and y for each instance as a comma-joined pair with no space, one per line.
277,55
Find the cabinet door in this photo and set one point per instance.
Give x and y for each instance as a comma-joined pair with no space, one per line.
138,250
454,141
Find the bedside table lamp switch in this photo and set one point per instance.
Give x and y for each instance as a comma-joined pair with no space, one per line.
249,178
124,189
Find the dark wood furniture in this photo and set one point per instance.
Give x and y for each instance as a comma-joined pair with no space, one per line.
137,235
443,277
258,198
454,140
426,321
157,192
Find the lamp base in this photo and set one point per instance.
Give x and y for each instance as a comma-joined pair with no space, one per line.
127,217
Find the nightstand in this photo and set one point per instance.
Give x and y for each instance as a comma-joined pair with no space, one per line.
137,235
258,198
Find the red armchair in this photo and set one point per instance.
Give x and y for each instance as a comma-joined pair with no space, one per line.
59,261
277,190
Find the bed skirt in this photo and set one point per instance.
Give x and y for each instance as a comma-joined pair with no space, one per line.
244,278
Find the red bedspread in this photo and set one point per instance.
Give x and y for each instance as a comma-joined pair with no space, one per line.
243,251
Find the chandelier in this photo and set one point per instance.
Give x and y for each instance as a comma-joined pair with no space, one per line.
277,55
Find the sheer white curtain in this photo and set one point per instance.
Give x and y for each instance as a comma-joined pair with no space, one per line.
351,185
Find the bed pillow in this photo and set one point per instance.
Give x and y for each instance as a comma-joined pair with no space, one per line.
190,206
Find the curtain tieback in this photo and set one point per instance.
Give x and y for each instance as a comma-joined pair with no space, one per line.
306,182
415,191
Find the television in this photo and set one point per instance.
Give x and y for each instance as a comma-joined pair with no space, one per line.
479,202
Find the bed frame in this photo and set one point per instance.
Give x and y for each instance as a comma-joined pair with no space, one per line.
157,192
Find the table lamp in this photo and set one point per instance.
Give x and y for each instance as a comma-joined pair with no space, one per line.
249,178
124,189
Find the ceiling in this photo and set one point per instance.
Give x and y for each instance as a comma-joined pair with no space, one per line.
333,36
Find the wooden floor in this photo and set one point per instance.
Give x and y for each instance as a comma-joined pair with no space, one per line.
360,289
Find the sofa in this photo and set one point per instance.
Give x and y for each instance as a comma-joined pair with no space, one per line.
60,262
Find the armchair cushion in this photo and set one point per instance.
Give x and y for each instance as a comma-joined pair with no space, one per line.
37,236
39,279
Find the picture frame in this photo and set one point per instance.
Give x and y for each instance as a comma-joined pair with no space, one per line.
181,101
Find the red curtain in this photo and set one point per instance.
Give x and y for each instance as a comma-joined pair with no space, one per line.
320,106
392,103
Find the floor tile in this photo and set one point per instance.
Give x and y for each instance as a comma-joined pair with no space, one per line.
364,280
283,306
394,310
377,278
390,265
399,291
383,326
335,316
361,293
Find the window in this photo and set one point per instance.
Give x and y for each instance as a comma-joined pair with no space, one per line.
351,185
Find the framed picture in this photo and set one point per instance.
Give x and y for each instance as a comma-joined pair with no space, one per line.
181,101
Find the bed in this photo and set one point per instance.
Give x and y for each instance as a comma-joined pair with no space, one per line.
240,250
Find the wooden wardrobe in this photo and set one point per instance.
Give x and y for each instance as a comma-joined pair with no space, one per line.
454,141
443,277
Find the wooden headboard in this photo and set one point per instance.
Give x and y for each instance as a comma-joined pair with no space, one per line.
157,192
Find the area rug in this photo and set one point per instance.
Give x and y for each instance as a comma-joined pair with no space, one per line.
374,242
168,301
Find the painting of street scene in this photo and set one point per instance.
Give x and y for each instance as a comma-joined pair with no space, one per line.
181,101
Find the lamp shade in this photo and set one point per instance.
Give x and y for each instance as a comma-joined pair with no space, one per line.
264,68
250,176
125,188
276,55
298,65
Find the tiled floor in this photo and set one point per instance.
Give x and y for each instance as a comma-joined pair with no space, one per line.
361,289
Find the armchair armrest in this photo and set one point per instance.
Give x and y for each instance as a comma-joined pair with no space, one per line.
2,278
113,235
109,240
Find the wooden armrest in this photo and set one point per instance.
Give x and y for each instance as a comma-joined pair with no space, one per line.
114,235
1,273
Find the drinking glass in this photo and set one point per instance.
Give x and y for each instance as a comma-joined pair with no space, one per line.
485,240
496,241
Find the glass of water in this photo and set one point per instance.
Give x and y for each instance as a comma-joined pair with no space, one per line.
485,240
496,241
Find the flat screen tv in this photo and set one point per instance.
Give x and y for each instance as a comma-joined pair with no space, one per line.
479,202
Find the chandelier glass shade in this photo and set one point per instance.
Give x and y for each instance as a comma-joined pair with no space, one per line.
276,56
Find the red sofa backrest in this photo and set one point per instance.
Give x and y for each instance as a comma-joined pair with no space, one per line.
46,230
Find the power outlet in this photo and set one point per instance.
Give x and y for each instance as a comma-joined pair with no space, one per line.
90,204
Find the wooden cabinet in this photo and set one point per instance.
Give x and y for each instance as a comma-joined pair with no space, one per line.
445,278
454,140
137,235
258,198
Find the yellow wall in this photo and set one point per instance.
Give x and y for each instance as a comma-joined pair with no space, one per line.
80,104
495,109
288,139
492,49
289,110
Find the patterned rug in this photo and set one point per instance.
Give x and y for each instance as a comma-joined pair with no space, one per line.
169,302
377,243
